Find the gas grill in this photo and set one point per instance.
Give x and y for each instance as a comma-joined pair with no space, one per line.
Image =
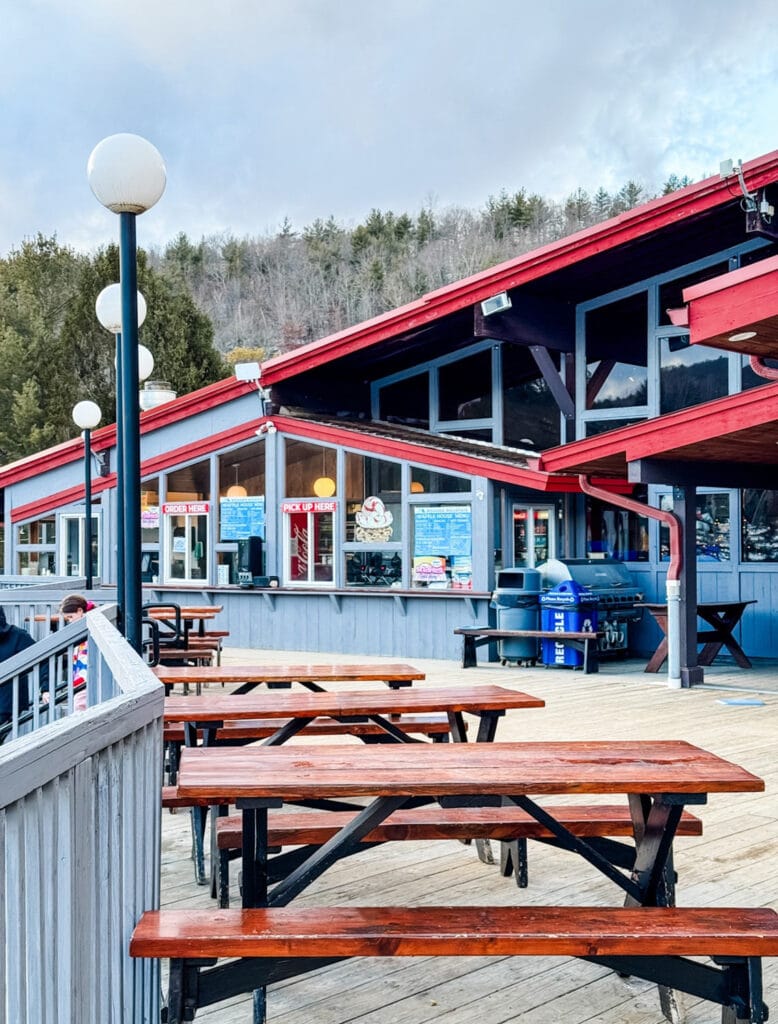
616,593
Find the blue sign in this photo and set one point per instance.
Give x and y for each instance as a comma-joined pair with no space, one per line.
442,530
240,518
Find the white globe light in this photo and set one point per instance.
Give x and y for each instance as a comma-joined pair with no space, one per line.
145,363
108,307
126,173
86,415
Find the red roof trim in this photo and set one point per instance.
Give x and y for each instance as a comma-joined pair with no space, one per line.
674,430
42,506
652,216
733,278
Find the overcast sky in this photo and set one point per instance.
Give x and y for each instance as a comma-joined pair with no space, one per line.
266,109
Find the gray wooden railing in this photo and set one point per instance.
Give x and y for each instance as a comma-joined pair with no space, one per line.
80,843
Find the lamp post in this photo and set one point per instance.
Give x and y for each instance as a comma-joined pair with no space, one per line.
86,416
127,175
108,308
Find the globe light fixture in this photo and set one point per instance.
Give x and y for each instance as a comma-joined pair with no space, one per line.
127,175
324,487
86,416
236,490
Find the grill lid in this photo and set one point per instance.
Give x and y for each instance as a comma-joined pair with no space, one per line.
598,574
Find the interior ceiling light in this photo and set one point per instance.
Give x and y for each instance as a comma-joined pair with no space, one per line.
236,490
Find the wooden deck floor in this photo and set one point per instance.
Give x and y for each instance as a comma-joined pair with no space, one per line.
733,863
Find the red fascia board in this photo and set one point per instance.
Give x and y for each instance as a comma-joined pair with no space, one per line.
747,409
627,227
450,461
734,277
159,463
742,303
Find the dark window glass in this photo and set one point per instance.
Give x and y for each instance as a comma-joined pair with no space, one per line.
595,427
427,481
465,388
671,293
530,413
617,354
615,533
406,401
690,374
760,525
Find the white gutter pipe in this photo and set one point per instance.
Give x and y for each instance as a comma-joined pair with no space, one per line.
673,582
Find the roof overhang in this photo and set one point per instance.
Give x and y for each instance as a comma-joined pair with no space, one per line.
736,311
730,442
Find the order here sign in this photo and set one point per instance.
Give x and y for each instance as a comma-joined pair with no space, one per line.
185,508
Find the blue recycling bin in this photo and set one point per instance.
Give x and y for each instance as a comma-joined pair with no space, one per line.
567,607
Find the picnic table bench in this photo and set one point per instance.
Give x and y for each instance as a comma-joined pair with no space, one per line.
274,944
511,826
477,636
311,676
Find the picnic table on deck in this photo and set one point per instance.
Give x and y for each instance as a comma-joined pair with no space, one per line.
722,616
311,676
383,707
658,777
189,615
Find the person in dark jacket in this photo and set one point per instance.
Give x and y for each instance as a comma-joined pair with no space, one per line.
13,639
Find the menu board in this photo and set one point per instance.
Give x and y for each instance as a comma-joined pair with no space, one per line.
442,530
241,517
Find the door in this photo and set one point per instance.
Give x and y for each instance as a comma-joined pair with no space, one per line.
534,534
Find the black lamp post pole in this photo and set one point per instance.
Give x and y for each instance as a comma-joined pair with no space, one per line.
88,507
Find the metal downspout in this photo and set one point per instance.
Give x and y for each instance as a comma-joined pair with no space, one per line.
673,582
757,364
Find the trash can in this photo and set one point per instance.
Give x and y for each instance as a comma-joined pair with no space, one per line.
516,603
567,607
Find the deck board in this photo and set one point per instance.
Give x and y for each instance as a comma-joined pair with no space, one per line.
733,862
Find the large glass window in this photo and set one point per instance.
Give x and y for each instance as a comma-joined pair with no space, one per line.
671,292
311,470
615,533
36,552
406,401
373,506
429,481
690,374
760,525
308,542
465,388
442,546
750,379
713,534
185,516
149,512
614,332
72,554
530,413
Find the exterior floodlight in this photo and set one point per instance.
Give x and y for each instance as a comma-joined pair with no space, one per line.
126,173
248,371
496,304
109,308
145,363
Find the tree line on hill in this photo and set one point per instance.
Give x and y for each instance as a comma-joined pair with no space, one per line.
224,299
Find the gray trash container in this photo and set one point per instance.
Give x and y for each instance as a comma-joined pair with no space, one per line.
515,601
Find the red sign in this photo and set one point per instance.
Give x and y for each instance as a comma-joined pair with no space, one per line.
308,506
185,508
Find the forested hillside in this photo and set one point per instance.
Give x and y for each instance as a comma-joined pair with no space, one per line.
275,293
216,300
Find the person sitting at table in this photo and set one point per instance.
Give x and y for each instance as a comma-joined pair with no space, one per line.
72,608
13,639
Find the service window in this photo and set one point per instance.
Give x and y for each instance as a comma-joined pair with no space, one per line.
442,546
308,538
186,541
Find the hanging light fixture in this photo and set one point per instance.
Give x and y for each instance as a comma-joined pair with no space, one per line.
417,487
236,490
324,486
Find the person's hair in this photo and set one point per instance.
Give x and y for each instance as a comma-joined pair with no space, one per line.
73,603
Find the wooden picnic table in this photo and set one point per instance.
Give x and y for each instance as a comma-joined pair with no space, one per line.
311,676
658,777
187,614
721,616
382,707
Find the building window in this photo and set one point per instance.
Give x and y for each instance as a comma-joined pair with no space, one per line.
185,519
671,292
531,417
72,553
311,470
760,525
442,546
429,481
465,388
36,547
690,374
611,332
713,518
750,379
308,542
615,533
406,401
